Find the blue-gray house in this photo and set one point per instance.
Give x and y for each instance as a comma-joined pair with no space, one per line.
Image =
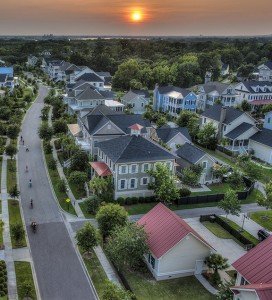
174,99
268,120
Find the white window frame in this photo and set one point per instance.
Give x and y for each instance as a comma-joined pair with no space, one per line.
142,181
120,169
136,169
148,167
135,184
119,184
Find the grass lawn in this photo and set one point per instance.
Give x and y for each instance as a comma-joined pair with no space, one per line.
143,208
145,287
220,188
15,218
96,272
244,232
11,173
84,210
24,274
217,230
78,192
61,196
260,218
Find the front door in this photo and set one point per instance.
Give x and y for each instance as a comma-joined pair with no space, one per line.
199,267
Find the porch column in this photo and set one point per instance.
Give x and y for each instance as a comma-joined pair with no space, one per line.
233,144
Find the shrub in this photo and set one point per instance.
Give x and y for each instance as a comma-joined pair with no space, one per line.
17,232
62,186
47,148
92,204
52,164
134,200
120,201
184,192
57,144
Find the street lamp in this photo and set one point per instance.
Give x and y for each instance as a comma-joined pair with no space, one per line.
68,203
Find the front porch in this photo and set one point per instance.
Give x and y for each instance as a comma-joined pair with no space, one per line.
237,146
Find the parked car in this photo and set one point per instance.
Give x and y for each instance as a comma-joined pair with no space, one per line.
263,234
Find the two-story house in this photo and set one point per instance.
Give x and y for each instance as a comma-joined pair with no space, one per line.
83,96
257,93
232,125
265,71
7,78
212,92
173,99
136,100
103,124
261,142
254,274
172,137
128,158
188,155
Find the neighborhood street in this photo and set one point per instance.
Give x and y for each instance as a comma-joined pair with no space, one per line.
60,274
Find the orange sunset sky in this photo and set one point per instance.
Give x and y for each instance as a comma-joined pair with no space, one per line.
146,17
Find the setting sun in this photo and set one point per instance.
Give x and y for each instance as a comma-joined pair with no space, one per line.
136,16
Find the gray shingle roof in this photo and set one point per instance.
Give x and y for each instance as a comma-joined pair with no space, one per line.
167,133
102,109
90,77
236,132
214,86
122,121
253,83
90,93
269,64
190,153
108,94
214,113
104,74
170,88
263,137
144,93
133,149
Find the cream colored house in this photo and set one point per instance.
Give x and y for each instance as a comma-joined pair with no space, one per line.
176,250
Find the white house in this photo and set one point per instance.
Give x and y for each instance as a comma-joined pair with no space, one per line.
211,92
136,100
231,124
254,273
261,144
265,71
176,250
257,93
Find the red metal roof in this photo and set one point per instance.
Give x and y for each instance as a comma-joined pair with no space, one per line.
256,265
136,127
260,102
101,168
165,229
264,291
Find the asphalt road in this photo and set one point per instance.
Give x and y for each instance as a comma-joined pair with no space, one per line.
60,274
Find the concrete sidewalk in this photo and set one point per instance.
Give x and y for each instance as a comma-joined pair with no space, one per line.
8,255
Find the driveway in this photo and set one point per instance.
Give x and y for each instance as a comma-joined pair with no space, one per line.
59,271
226,247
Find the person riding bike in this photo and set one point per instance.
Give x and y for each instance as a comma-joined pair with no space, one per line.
31,203
26,168
34,226
30,183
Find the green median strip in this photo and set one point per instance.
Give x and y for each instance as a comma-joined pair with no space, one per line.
25,283
11,173
56,182
15,219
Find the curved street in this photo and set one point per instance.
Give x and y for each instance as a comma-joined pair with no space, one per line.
59,271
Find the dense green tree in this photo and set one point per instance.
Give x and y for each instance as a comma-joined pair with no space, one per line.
60,126
87,237
110,216
207,135
127,246
265,200
11,150
230,204
79,161
102,187
13,131
78,178
45,132
164,184
216,262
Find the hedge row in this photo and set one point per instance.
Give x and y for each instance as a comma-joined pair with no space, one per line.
3,279
135,200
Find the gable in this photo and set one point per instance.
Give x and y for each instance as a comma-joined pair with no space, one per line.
109,129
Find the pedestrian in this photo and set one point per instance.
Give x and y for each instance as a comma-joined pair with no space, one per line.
23,142
21,138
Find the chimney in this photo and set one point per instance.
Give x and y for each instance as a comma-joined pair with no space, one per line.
223,113
135,129
208,77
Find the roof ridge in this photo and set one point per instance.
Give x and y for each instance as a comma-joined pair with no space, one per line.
128,142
